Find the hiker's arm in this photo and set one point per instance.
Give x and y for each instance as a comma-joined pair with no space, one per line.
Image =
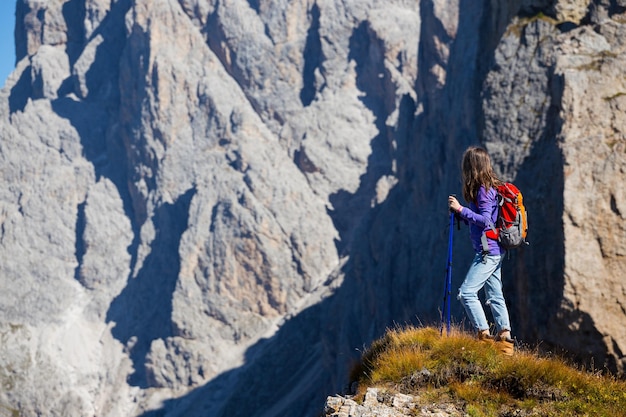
482,218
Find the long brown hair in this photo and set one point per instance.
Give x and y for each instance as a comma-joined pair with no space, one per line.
476,170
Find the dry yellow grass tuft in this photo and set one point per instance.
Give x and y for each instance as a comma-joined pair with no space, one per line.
462,369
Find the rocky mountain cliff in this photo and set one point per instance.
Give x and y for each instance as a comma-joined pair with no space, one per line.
208,207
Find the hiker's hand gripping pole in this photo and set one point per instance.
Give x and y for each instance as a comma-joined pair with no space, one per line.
454,204
455,207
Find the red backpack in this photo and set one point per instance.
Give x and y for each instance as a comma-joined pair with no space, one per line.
512,225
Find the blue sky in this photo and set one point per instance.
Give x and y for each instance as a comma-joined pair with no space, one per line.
7,39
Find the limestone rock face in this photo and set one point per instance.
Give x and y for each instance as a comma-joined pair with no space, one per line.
561,115
593,115
207,208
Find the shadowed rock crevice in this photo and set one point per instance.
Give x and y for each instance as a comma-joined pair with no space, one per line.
143,310
102,79
74,11
350,209
21,91
80,242
27,26
254,4
313,57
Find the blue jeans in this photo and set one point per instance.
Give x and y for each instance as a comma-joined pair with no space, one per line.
485,272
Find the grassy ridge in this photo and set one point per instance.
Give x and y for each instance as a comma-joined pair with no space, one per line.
458,368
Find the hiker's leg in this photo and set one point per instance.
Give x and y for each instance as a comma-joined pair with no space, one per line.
475,279
495,300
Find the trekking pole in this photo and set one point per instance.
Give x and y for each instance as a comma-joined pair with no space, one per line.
445,308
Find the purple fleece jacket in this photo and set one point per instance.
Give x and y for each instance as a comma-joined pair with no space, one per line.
480,216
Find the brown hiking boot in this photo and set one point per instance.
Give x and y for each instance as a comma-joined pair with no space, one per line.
485,337
505,346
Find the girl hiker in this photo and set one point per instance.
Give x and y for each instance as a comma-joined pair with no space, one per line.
479,182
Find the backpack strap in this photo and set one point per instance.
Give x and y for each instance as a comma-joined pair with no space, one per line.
484,241
485,245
